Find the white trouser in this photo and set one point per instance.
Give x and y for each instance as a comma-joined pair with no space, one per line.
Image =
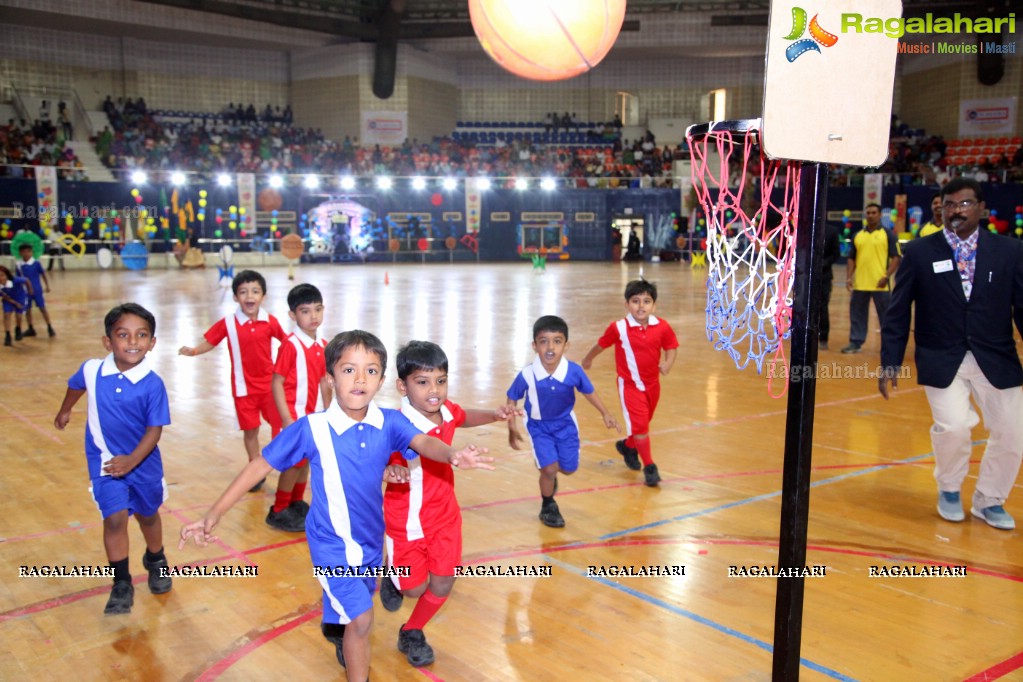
950,435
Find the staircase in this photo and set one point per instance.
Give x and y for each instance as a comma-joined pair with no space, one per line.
94,168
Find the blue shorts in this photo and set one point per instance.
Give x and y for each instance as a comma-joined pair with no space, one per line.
138,495
11,308
555,440
344,598
37,298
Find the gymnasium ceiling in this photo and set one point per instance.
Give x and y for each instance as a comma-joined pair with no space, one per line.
442,22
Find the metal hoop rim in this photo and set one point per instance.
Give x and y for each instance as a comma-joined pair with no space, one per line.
699,131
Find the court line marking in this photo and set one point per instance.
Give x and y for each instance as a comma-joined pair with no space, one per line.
702,620
1011,664
45,433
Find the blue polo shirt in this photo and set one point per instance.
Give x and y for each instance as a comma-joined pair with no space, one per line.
550,396
345,525
32,270
121,406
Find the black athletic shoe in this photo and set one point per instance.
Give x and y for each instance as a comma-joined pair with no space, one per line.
29,332
7,339
413,644
17,334
259,486
631,455
301,506
122,596
335,634
49,330
551,516
288,519
650,475
158,584
390,596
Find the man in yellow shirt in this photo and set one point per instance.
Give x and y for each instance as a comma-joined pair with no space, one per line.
872,261
936,224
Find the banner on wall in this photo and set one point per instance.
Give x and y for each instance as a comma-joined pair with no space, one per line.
247,197
46,196
873,184
384,127
994,116
473,204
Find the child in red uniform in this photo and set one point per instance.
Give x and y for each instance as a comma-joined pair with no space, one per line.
299,387
639,339
422,519
248,332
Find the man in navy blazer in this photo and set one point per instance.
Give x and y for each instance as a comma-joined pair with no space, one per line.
967,287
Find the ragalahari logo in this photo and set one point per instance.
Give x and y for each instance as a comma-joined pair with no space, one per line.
817,36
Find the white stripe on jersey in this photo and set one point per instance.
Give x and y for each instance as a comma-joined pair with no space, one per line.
630,355
240,388
534,397
301,377
91,372
413,527
337,504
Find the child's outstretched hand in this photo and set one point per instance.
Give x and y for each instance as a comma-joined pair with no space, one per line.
515,439
611,423
187,351
395,473
201,531
506,412
471,457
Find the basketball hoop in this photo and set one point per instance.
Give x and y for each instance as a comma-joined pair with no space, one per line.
751,244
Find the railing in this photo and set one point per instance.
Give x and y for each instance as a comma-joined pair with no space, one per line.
82,115
19,104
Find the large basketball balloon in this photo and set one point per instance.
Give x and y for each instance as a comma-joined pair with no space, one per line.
547,40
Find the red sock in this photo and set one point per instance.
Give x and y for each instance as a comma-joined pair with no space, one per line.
643,446
630,442
298,491
282,500
427,606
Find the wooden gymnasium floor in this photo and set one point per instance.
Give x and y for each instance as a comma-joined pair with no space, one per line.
717,438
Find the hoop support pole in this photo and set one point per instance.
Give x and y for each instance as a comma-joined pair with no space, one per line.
802,388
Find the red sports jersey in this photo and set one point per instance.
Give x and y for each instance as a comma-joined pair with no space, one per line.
300,361
248,342
428,499
638,349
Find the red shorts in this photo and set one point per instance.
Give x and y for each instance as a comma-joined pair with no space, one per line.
638,406
437,553
250,407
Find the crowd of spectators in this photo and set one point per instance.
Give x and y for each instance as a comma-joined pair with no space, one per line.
242,139
239,140
24,146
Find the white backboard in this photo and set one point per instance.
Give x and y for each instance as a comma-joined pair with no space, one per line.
827,86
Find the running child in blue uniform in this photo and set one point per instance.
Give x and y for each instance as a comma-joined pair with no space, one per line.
549,384
127,412
14,291
32,270
348,447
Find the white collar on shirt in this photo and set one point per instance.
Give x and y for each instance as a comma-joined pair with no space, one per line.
633,323
560,372
307,341
135,374
418,419
242,318
341,422
30,261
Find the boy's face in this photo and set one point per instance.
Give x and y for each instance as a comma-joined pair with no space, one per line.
308,317
550,346
250,296
356,377
641,306
26,253
129,341
426,389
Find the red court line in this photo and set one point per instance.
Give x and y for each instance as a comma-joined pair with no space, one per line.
45,433
1002,669
221,666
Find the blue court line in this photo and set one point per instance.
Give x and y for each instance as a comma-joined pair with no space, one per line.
760,498
677,610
